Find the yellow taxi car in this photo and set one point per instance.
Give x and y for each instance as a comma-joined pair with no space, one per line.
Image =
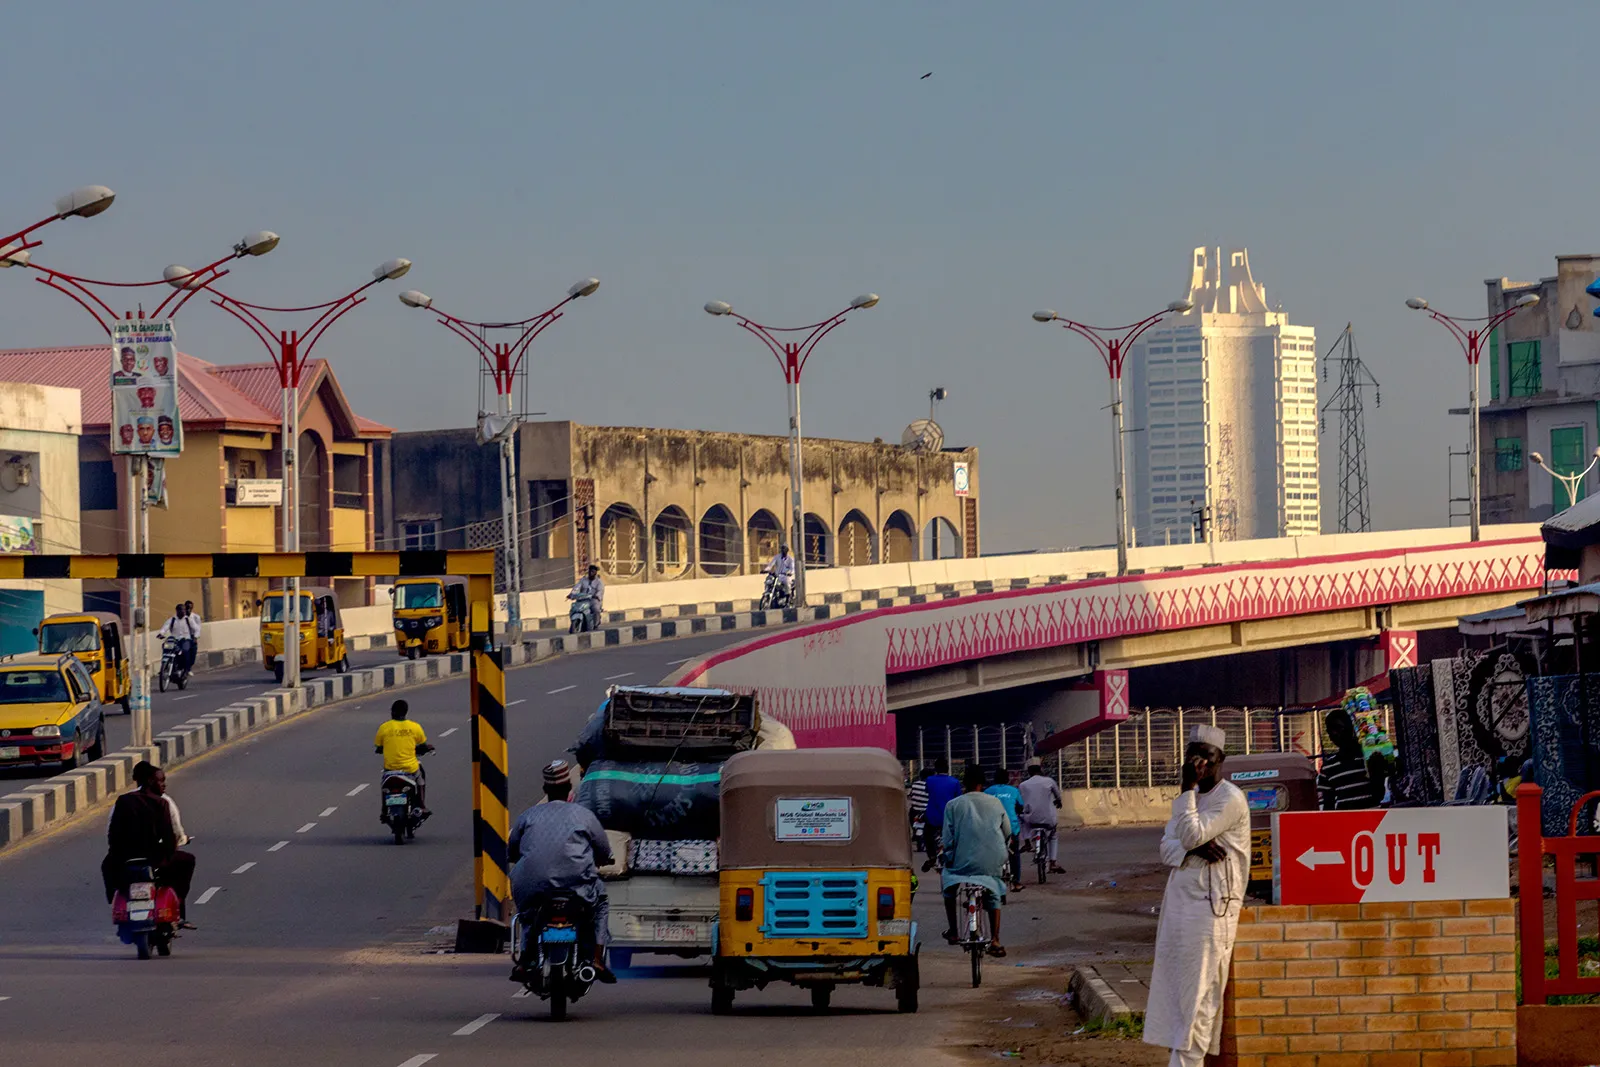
50,712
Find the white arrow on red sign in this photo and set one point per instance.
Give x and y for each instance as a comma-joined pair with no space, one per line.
1313,859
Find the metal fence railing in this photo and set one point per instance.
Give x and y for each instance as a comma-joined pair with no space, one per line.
1144,750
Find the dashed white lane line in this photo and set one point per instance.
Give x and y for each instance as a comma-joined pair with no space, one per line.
205,898
676,662
236,688
280,844
244,867
190,696
514,703
519,994
356,790
614,677
327,812
5,998
477,1024
563,689
448,732
306,827
419,1059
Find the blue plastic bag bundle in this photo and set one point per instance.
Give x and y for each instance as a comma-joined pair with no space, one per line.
654,801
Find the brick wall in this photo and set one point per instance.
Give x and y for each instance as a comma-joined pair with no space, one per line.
1428,984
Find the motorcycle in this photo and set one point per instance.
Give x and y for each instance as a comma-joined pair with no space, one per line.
551,968
146,912
173,666
402,813
777,594
581,619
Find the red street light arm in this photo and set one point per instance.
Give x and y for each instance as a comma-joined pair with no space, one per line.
78,289
792,355
531,327
1469,338
1113,349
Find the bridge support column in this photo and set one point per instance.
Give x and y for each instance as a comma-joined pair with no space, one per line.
1080,710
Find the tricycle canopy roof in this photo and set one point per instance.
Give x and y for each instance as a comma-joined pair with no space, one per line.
870,779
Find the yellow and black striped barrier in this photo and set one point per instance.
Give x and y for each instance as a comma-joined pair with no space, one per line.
490,767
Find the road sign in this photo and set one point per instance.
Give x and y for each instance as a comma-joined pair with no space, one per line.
1350,857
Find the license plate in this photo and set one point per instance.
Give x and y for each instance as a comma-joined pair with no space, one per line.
396,800
10,753
894,928
139,916
672,933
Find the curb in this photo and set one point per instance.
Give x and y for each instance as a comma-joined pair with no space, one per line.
1094,998
54,801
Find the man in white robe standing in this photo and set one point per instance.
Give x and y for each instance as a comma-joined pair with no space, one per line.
1207,843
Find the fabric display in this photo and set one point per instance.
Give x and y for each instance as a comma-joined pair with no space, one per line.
1565,727
655,801
1417,781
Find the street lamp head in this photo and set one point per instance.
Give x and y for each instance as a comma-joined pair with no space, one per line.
1181,306
584,288
1044,316
1416,303
865,300
180,277
85,203
1527,300
394,268
1536,458
256,244
416,298
718,307
939,393
12,256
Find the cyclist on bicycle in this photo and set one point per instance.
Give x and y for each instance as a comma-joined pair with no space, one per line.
975,832
1041,798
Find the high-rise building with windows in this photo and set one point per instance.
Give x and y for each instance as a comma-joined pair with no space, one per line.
1223,415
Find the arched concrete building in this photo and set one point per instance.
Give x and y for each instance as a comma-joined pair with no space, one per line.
651,505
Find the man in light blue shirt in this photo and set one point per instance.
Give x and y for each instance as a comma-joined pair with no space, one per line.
975,831
1010,797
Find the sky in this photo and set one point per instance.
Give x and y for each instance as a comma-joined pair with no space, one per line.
785,157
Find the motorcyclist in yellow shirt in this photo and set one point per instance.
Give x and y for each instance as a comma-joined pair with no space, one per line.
401,741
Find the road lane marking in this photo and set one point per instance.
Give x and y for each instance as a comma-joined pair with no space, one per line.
306,827
477,1024
614,677
327,812
236,688
205,898
448,732
190,696
356,790
419,1059
563,689
280,844
514,703
244,867
676,662
519,994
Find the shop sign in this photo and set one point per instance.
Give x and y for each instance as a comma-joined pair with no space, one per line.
257,492
813,819
1352,857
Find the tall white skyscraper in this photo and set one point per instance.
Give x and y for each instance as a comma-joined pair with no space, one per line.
1223,415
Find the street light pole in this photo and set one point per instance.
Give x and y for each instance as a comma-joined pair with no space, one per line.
504,362
1471,338
792,357
83,203
290,350
185,283
1113,342
1569,481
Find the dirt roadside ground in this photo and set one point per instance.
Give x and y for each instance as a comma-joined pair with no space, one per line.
1104,909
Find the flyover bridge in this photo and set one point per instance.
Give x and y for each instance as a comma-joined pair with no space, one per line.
841,682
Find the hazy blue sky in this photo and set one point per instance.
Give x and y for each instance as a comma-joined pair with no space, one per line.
786,157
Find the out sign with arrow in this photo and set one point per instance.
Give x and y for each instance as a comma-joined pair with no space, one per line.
1351,857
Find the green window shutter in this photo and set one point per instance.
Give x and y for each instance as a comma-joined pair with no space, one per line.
1508,454
1566,457
1527,375
1493,352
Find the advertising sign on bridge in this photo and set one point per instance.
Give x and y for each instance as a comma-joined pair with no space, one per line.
1353,857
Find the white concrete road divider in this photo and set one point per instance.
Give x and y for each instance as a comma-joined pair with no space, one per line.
53,801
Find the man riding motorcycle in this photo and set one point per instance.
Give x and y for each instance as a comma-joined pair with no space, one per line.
401,742
186,628
782,566
594,588
558,846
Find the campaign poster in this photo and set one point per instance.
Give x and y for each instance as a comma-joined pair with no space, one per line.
144,390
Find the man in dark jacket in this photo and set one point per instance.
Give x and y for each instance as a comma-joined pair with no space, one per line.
141,828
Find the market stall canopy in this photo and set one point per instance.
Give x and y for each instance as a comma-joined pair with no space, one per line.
1504,622
1567,534
1578,600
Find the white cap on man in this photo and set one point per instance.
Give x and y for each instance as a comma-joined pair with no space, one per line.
1209,735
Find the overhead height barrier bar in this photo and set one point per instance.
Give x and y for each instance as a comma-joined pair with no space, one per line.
490,769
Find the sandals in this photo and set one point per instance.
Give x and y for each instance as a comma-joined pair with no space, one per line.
950,938
997,951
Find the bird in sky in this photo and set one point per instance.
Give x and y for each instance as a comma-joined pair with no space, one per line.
926,76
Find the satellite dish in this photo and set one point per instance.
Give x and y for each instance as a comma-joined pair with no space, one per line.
924,435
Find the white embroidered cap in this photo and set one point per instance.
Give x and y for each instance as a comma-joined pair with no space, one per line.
1209,735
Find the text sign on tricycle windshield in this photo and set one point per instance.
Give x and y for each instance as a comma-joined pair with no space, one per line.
813,819
1350,857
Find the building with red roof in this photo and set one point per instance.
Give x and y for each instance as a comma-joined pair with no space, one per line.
231,419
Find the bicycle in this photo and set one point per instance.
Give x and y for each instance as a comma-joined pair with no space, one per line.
1042,836
975,937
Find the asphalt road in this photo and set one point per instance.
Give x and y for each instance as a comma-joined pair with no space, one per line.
319,937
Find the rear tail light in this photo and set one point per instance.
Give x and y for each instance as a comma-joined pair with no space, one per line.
885,904
744,905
